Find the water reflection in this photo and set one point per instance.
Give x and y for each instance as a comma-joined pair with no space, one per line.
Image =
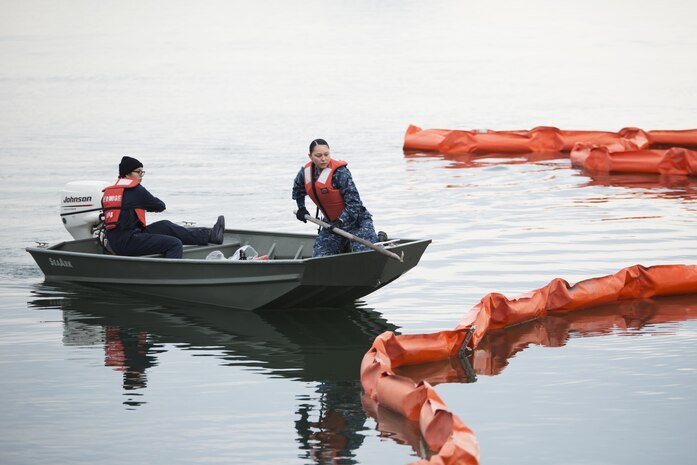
128,351
321,346
489,159
653,185
623,318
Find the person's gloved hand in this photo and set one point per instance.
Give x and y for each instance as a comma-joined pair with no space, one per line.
300,214
337,223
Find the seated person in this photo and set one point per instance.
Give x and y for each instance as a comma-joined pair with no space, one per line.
127,232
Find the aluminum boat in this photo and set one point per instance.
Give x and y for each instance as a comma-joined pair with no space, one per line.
288,277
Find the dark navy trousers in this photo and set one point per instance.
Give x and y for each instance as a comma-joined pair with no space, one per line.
161,237
328,243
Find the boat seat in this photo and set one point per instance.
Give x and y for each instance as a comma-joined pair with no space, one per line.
201,251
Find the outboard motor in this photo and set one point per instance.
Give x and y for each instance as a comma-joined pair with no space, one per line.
81,207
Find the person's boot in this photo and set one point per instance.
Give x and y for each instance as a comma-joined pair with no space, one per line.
382,236
217,231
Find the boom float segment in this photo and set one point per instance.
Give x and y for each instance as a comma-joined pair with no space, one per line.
673,161
542,139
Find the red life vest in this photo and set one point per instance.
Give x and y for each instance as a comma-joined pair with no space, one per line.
112,201
328,199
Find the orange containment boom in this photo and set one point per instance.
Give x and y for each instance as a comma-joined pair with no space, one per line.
444,433
684,138
674,161
543,139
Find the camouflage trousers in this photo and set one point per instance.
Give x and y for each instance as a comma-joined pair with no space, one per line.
328,243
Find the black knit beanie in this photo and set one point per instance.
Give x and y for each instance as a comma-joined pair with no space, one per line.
127,165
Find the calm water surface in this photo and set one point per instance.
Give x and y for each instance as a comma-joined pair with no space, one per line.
220,101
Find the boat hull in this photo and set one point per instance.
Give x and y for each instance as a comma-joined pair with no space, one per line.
290,278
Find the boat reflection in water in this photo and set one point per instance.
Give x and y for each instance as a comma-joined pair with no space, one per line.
498,347
321,346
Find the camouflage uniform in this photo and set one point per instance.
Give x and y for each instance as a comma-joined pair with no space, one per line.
355,218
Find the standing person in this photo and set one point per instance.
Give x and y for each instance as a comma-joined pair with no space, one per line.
127,232
328,182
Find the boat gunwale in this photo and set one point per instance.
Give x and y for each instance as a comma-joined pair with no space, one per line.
54,249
